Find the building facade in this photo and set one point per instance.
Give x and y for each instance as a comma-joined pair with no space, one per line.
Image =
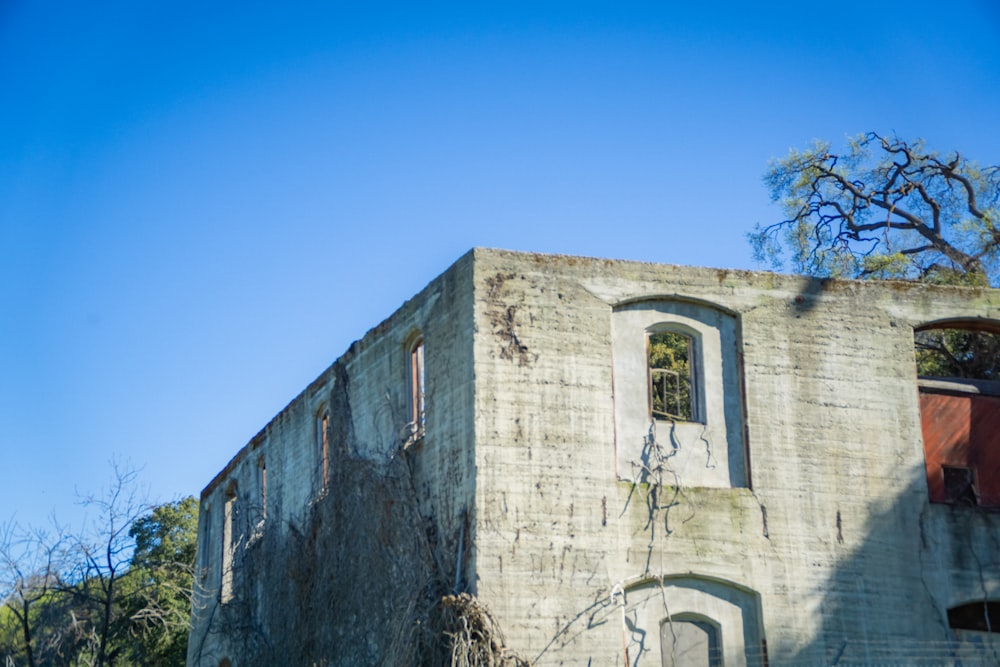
627,464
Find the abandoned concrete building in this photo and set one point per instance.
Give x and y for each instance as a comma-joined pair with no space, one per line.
625,464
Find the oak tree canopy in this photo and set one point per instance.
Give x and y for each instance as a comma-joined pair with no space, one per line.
890,208
884,208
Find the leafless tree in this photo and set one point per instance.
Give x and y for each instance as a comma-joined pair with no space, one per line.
102,557
31,565
117,591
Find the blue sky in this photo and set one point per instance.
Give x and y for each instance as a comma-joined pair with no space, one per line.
202,206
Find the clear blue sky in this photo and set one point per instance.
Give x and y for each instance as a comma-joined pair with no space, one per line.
203,204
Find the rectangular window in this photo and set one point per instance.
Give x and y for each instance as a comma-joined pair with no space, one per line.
417,414
228,546
205,543
671,386
959,485
262,485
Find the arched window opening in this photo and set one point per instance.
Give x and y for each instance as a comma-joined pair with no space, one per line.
672,361
677,384
690,641
976,616
684,620
953,352
958,364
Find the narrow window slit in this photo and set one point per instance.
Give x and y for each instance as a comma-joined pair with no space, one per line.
417,412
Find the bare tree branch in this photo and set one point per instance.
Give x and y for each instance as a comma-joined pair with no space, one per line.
934,212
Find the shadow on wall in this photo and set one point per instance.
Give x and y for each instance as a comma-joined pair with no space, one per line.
810,291
887,602
355,580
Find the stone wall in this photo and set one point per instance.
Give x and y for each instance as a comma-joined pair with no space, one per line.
342,568
786,523
829,549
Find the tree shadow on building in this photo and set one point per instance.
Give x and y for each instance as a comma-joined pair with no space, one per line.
887,597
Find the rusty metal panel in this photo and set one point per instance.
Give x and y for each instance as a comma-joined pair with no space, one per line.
962,431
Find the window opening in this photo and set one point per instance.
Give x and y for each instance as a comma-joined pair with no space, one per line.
703,414
417,413
689,642
228,543
671,378
206,541
981,616
957,353
324,443
959,384
959,485
262,485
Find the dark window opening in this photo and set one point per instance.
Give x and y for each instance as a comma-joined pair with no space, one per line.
977,616
671,376
205,541
959,485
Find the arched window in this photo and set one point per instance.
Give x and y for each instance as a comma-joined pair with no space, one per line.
690,640
958,349
690,620
678,391
673,363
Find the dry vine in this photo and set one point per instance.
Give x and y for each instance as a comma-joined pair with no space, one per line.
475,636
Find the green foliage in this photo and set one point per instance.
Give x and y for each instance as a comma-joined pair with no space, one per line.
161,575
958,353
54,640
11,640
883,208
166,535
886,208
81,611
670,375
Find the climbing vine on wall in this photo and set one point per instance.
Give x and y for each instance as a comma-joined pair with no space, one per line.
357,578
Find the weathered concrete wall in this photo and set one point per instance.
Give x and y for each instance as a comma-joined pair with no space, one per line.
792,514
833,544
343,572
